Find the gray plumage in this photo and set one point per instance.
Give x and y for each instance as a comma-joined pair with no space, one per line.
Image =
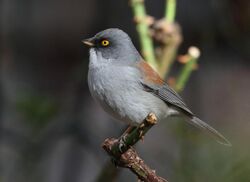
168,95
119,84
119,91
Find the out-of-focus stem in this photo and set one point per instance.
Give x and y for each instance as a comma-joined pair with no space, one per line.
174,38
167,60
143,31
170,10
170,47
193,55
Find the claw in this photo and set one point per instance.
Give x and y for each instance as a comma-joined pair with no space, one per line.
142,138
122,143
141,125
141,135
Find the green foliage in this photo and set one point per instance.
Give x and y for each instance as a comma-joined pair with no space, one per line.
37,111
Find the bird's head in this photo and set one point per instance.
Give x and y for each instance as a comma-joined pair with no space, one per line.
113,44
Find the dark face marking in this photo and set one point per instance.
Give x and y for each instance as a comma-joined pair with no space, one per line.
119,46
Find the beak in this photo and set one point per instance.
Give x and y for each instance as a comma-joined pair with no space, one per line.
89,42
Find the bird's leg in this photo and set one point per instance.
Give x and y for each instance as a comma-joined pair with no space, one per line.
129,129
150,120
141,132
124,135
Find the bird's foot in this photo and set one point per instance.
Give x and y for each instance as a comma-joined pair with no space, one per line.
122,145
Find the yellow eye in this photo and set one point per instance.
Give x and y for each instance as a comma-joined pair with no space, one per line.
105,43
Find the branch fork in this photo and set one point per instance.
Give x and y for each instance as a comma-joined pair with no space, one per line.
125,156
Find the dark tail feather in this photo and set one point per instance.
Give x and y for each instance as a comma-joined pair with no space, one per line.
209,130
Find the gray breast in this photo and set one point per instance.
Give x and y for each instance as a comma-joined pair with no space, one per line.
117,88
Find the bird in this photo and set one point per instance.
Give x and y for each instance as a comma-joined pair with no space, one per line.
128,88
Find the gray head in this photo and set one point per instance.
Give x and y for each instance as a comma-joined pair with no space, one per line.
113,44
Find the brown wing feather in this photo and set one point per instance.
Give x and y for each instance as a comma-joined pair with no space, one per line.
149,74
152,82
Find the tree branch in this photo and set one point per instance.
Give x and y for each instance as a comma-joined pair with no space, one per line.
170,10
125,156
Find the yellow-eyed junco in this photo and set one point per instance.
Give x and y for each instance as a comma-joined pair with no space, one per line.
128,88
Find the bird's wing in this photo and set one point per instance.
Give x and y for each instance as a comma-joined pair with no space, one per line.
152,82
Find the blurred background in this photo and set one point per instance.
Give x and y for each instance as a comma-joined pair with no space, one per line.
50,128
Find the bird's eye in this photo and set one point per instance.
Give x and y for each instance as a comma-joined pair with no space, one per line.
105,43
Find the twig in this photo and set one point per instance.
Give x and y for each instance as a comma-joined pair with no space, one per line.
125,156
170,10
170,48
190,61
142,27
169,36
168,33
167,59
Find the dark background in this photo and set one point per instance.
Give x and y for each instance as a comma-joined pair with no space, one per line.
50,128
